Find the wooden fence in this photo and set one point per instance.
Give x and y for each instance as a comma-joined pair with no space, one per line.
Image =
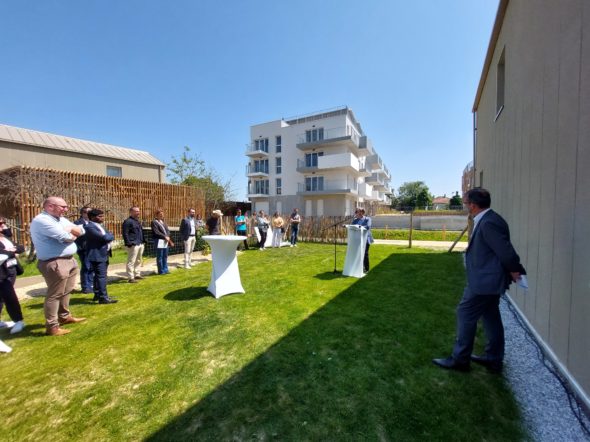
23,189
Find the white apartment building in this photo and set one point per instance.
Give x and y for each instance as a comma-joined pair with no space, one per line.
321,163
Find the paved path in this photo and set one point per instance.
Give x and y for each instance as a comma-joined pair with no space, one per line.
437,245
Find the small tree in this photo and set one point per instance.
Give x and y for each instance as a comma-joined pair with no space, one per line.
456,201
414,194
190,170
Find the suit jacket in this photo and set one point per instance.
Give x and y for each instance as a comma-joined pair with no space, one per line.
81,240
185,227
160,231
490,256
132,232
97,243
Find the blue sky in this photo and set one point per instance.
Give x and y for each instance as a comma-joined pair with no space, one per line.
160,75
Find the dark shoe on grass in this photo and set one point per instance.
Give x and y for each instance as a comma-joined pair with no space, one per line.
493,366
108,301
450,364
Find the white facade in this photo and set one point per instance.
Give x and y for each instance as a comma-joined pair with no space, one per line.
321,163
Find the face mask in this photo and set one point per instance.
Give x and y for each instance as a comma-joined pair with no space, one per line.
7,233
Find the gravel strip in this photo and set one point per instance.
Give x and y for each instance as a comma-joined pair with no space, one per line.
543,401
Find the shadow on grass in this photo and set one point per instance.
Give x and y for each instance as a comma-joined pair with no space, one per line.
360,368
188,294
328,276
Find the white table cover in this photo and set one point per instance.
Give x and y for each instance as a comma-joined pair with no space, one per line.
225,275
355,251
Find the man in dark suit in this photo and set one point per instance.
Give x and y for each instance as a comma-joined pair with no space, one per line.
188,232
491,264
98,249
86,273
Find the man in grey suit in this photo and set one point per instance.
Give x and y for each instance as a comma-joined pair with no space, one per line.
492,265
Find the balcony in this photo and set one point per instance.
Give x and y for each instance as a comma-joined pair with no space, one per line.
256,171
343,162
256,193
375,180
254,151
374,162
329,137
334,187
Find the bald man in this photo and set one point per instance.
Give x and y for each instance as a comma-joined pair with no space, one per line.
54,236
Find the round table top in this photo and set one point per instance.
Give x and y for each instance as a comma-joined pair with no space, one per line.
223,237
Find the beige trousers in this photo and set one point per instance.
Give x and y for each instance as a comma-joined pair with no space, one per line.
189,246
60,276
134,256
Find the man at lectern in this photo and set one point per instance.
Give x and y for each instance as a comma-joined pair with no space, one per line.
364,221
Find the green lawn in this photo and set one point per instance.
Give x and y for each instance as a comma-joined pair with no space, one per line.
304,355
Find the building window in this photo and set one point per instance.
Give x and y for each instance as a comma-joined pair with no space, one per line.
500,83
314,135
261,187
279,186
313,183
261,166
279,165
278,143
261,144
311,159
114,171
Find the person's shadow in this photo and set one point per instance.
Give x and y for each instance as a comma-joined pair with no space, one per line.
188,294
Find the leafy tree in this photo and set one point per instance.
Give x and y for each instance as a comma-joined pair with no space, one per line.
414,194
456,201
190,170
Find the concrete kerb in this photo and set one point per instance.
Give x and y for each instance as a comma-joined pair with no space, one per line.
34,286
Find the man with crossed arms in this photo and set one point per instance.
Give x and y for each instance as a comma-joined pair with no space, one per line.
54,236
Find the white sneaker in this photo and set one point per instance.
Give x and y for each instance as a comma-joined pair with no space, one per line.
187,266
4,348
17,328
6,324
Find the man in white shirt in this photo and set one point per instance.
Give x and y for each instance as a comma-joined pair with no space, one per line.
54,236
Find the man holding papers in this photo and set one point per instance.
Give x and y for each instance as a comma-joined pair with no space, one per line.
492,265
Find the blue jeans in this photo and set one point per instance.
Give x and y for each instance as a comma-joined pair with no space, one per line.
161,259
294,230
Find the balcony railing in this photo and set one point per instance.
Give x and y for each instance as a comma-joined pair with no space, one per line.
327,135
328,186
252,169
253,149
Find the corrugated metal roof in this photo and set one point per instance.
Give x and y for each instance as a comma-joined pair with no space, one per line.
60,142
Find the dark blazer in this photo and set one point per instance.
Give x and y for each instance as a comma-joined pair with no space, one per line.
97,248
490,256
158,232
185,227
81,240
5,272
365,222
132,232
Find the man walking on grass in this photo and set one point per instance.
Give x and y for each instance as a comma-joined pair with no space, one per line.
134,243
54,236
491,264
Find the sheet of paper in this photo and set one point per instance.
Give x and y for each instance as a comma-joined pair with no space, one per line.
523,282
162,244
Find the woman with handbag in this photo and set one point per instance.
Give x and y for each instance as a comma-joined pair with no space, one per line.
9,268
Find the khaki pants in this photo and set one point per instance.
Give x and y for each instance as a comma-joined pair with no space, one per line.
189,246
60,276
134,256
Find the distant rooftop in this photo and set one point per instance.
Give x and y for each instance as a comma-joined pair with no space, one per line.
59,142
327,113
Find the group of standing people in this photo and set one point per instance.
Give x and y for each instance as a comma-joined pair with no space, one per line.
279,227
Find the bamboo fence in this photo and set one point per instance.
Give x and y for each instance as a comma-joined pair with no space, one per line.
23,189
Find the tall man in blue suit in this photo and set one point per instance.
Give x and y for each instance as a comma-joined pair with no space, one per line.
86,273
98,250
492,265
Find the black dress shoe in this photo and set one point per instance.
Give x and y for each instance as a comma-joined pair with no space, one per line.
492,365
450,364
108,301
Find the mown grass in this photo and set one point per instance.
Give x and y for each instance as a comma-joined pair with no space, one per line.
418,235
305,354
30,268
